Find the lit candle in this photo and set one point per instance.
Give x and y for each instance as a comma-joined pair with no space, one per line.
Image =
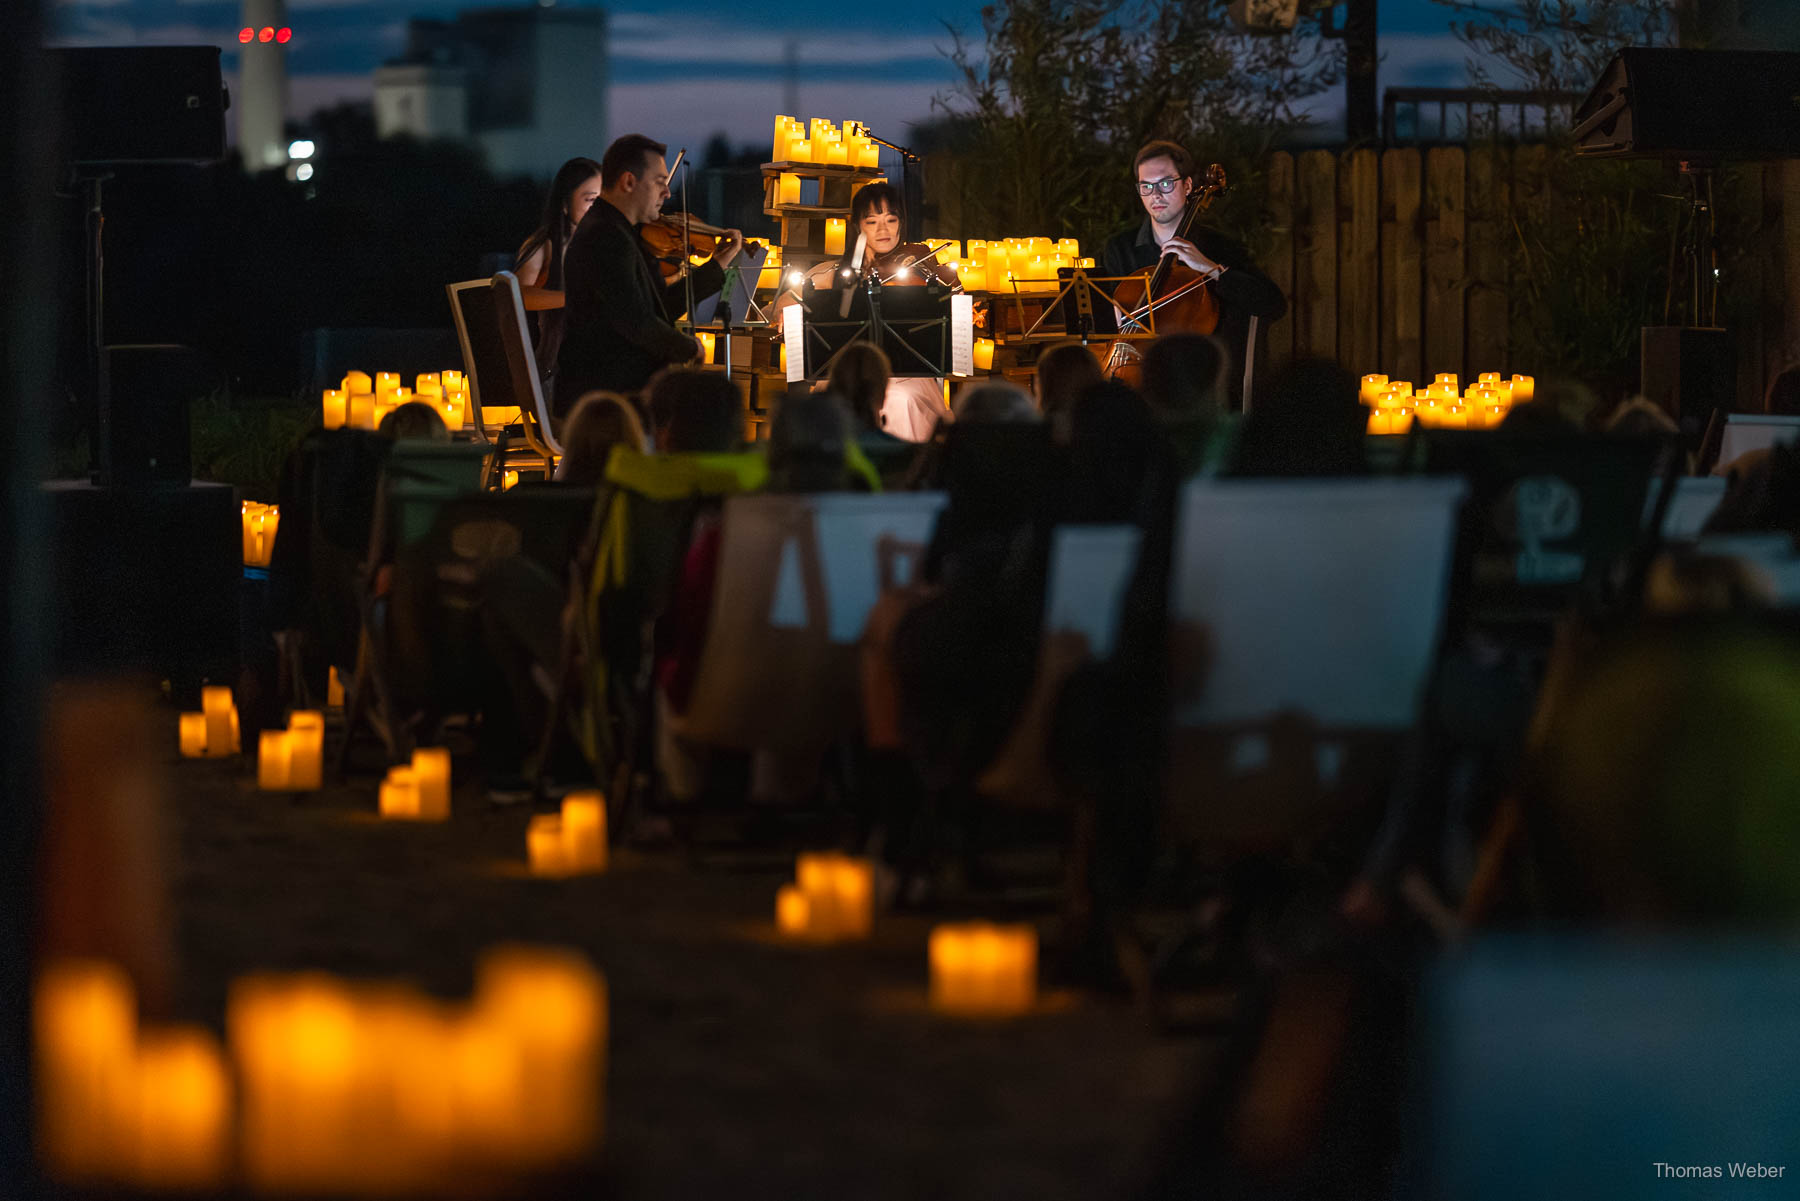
868,156
84,1020
834,235
982,969
788,190
707,342
274,761
193,735
334,690
336,408
974,277
836,154
1454,417
1448,379
306,750
426,379
215,702
839,894
1524,387
1373,386
509,481
299,1058
553,1006
544,845
793,912
1400,421
1380,422
584,832
362,411
984,354
431,779
399,798
1488,377
1085,264
452,379
358,382
180,1103
386,381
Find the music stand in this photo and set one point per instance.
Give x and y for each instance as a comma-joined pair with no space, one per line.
910,323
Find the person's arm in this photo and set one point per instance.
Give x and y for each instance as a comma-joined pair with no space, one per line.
627,306
709,277
533,272
1240,284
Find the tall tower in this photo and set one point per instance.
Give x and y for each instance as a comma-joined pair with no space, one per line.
261,98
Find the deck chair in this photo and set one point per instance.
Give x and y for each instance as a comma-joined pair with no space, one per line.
417,480
798,577
526,386
497,403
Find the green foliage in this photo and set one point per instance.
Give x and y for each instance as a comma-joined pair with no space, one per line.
245,443
1049,113
1556,45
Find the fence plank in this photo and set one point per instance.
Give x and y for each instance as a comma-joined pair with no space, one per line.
1445,261
1315,256
1490,190
1279,262
1402,258
1359,259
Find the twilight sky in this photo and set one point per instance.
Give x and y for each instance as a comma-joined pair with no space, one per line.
716,66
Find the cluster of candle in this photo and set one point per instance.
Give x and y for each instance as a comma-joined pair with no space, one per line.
983,970
362,400
377,1089
825,143
832,898
211,733
419,791
293,760
260,522
148,1107
1444,403
1012,264
569,843
770,277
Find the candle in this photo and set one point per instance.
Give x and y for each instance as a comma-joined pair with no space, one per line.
431,781
300,1061
426,379
1448,379
984,354
584,832
974,278
336,408
788,190
836,154
386,381
452,379
215,702
1400,421
357,382
1524,387
274,761
193,735
306,749
179,1100
509,480
544,845
1373,386
552,1005
839,894
834,235
1380,421
868,156
84,1021
1455,417
982,969
707,342
362,411
793,913
334,690
260,523
1488,377
1085,263
399,797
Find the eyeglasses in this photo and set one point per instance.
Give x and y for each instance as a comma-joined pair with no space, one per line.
1165,186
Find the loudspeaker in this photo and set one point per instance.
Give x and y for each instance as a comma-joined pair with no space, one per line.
1693,104
142,104
152,387
1688,372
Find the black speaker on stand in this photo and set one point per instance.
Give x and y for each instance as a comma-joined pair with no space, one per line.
1694,108
147,562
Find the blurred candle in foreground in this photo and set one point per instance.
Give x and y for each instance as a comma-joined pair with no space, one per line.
216,703
793,914
839,892
584,832
294,1042
431,779
358,382
306,749
180,1106
193,735
552,1005
544,845
399,798
978,969
274,761
84,1022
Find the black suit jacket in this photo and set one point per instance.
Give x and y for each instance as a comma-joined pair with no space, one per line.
1243,292
618,316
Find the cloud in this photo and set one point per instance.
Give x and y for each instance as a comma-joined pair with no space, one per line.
688,116
638,37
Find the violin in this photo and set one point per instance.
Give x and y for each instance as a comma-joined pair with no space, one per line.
1175,298
673,240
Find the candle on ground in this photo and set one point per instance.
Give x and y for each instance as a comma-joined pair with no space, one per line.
274,761
431,778
216,703
980,969
399,798
84,1019
193,735
306,749
584,832
544,845
179,1102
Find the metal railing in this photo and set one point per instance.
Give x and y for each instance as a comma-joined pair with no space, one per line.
1473,114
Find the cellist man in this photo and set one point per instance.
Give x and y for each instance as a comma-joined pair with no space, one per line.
1164,174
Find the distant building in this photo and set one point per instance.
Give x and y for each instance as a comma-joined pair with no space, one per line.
527,85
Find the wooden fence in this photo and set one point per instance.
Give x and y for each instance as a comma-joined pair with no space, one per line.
1397,261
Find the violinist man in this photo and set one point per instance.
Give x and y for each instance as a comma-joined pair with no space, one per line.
619,316
1164,174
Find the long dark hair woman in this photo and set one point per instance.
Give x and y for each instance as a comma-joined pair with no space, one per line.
539,264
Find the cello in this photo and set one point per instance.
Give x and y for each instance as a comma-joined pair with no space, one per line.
1174,299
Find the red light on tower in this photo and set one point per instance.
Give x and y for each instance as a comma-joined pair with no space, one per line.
267,34
246,35
283,34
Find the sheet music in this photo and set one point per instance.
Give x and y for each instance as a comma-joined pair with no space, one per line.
962,334
793,334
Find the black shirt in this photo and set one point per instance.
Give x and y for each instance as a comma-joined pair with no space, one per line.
1242,292
618,315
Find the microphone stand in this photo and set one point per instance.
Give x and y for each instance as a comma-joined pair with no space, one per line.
912,183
